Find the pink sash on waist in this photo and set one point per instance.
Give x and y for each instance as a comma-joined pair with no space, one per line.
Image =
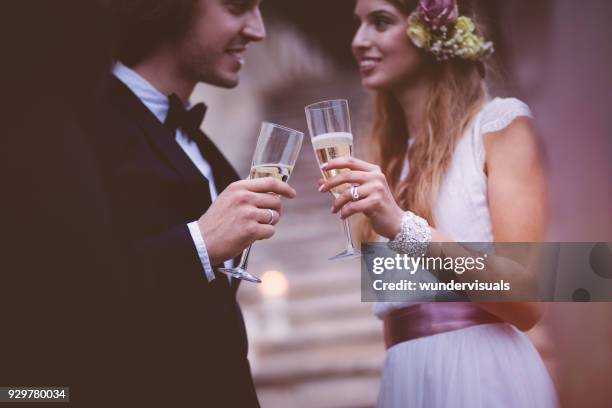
426,319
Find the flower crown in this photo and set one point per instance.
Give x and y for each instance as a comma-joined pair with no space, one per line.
436,26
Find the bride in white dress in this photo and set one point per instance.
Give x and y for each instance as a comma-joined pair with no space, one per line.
466,168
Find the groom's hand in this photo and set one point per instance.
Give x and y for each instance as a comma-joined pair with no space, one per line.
240,216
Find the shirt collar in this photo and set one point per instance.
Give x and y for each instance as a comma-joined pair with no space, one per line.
154,100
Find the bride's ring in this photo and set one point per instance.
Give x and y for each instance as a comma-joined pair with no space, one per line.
271,216
354,193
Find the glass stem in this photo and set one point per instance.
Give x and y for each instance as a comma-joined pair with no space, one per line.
347,234
244,259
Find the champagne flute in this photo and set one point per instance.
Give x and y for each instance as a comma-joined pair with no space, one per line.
275,155
329,125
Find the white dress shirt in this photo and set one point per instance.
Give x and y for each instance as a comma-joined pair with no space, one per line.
158,104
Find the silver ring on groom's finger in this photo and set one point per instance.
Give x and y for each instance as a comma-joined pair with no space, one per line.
271,216
354,193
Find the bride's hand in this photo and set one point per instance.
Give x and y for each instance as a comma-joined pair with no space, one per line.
375,198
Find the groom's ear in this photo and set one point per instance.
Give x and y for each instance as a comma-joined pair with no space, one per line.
142,26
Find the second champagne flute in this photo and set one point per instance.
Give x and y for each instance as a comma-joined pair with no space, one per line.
329,125
277,150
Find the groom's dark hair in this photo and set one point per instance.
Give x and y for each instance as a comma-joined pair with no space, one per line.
144,25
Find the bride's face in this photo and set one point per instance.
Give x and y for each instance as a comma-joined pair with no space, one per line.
386,56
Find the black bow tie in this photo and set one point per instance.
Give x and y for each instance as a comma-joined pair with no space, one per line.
189,121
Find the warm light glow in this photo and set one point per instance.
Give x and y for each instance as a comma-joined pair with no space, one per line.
274,284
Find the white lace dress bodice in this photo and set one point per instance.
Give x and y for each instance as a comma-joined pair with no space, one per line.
462,209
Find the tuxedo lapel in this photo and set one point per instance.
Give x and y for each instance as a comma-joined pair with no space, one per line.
160,138
223,171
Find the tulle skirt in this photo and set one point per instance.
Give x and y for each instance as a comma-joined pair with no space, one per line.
489,365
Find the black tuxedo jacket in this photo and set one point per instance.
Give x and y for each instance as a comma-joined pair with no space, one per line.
190,334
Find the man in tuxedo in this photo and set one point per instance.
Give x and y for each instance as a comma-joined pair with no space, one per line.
177,199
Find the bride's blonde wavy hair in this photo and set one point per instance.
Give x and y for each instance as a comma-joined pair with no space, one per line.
457,91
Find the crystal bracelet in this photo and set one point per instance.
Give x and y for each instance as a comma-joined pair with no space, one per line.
414,236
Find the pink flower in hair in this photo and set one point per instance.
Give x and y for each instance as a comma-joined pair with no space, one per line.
439,13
